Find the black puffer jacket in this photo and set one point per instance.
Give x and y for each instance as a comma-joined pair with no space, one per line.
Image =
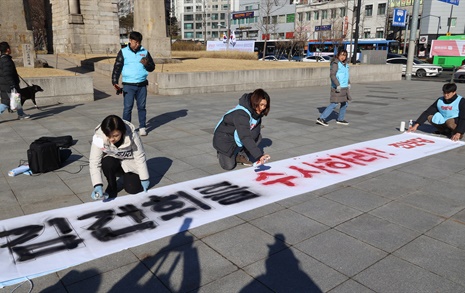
223,139
8,77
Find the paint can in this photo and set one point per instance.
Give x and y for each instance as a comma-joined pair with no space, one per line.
402,126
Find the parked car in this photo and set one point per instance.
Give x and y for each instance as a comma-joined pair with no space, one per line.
393,55
316,59
459,75
297,58
273,58
419,68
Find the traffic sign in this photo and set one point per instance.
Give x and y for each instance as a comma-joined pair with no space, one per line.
399,17
453,2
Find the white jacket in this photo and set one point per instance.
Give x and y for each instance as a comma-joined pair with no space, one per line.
130,152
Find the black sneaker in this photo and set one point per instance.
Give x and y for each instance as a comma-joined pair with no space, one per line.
321,122
24,116
342,122
240,159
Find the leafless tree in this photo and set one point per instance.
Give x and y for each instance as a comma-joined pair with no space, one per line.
127,23
36,12
267,24
302,30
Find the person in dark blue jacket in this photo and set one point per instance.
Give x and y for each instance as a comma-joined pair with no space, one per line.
237,135
135,63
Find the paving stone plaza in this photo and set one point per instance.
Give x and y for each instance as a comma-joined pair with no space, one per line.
401,229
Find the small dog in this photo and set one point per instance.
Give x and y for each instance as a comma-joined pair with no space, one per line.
29,93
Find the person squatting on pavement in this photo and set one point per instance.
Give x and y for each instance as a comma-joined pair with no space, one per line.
135,62
117,150
9,79
447,114
340,89
237,134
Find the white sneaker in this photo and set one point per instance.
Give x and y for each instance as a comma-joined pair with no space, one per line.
142,131
24,116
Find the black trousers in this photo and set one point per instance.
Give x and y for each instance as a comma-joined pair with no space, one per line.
229,163
112,169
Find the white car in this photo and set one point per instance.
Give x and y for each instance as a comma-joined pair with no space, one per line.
316,59
273,58
419,68
459,75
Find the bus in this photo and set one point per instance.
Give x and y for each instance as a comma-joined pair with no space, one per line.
448,51
330,47
287,48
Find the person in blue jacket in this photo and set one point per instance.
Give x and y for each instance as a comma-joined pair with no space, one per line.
237,134
340,89
446,114
135,63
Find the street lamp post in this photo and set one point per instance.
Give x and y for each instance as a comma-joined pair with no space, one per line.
439,23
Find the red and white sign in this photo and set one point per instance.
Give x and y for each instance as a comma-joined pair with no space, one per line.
447,48
42,243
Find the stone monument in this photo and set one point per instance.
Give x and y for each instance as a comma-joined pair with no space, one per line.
149,20
13,27
85,27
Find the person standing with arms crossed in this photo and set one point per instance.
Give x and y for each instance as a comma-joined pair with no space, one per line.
9,79
135,63
340,86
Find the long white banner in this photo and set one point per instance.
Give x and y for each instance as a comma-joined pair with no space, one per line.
42,243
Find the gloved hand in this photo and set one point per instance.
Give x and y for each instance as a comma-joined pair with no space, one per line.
338,89
97,193
145,184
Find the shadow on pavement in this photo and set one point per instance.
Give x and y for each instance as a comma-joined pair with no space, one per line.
164,118
92,283
159,166
99,95
265,142
52,110
283,273
332,116
178,262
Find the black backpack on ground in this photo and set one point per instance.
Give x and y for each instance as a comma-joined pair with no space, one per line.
61,141
44,154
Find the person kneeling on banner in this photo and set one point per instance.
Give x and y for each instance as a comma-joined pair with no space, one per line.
237,134
117,150
447,114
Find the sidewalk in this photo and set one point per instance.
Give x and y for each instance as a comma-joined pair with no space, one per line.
401,229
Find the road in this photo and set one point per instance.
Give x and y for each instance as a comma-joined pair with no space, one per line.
444,77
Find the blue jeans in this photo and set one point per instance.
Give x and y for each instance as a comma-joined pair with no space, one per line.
4,107
138,93
331,107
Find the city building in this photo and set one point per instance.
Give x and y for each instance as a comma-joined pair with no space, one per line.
334,20
440,18
268,19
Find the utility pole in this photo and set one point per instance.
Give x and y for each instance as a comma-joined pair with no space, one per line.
450,19
357,23
413,39
205,22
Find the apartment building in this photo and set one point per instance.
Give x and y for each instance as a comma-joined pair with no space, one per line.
257,20
334,19
203,20
439,18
